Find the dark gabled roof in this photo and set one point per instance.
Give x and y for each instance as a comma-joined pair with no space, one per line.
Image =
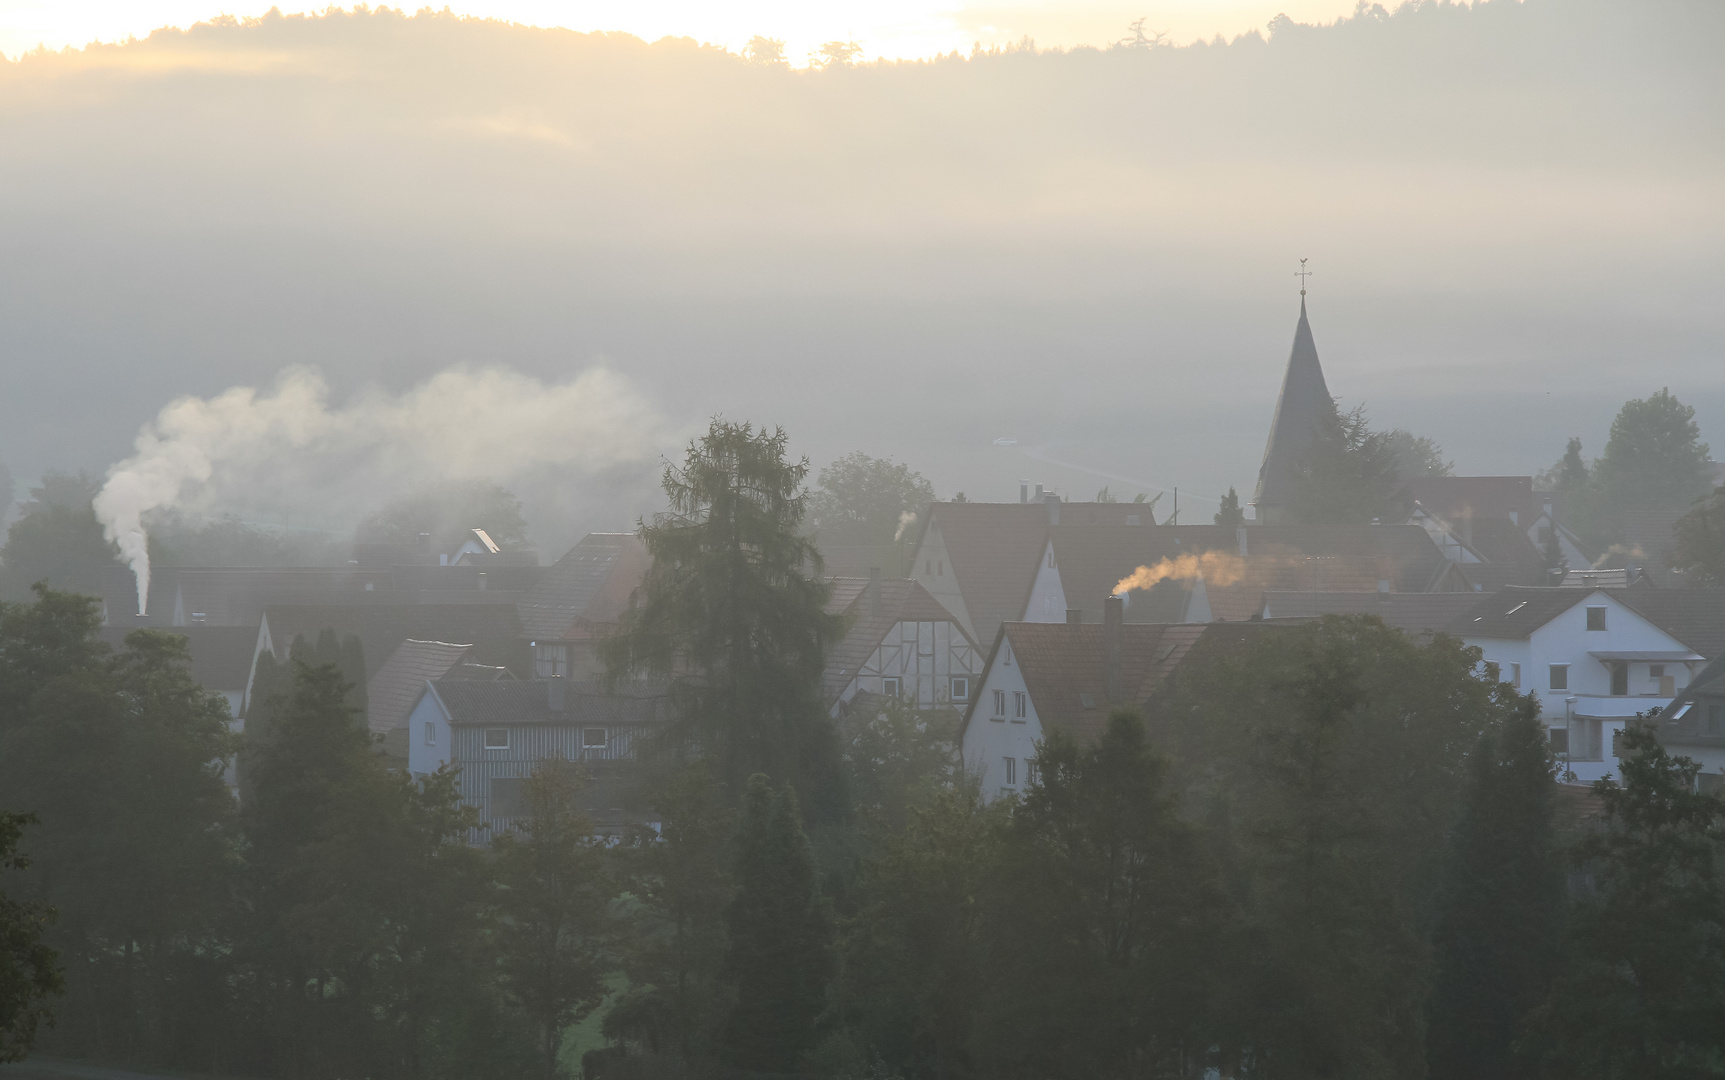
221,655
902,600
1303,403
1454,498
1065,672
1412,612
382,627
588,589
1510,557
994,549
474,702
395,689
1695,617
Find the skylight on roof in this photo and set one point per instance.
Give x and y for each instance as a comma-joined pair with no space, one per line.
1515,609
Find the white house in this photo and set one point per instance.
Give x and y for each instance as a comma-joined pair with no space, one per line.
1595,658
1043,677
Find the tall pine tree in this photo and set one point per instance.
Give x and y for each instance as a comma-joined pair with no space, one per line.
781,951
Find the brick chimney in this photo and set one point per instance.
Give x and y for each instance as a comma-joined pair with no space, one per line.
1052,501
1113,621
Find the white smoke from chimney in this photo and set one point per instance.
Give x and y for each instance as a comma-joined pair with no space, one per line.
288,447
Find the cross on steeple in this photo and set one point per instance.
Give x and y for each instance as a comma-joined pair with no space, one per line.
1302,273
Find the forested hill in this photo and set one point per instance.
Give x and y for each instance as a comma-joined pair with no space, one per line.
386,195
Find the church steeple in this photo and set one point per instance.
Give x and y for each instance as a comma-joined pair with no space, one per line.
1303,403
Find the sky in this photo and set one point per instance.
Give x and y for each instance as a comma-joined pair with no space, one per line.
890,29
1511,211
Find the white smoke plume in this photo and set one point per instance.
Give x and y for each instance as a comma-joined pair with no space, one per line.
1215,567
905,520
289,447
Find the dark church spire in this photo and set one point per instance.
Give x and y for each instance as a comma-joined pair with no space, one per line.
1303,404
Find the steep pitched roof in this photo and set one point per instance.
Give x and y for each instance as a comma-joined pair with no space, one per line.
1065,669
902,600
1304,401
393,691
993,549
221,655
474,702
586,590
382,627
1696,617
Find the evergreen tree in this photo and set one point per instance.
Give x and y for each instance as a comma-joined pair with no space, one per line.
1497,946
732,611
1114,903
29,968
1348,475
682,879
1643,992
781,932
1230,516
552,931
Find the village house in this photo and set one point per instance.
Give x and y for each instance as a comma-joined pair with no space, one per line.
1693,725
1595,658
578,600
899,643
1044,677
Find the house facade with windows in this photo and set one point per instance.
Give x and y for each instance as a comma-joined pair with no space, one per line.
1595,658
578,600
499,732
899,642
1046,677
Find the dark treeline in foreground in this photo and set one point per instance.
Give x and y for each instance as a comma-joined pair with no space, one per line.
1336,852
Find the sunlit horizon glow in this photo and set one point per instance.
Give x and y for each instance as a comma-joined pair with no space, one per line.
886,29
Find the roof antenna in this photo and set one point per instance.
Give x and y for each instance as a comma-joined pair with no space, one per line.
1302,273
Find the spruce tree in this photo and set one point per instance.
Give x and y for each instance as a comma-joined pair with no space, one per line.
732,611
1497,944
1230,516
781,930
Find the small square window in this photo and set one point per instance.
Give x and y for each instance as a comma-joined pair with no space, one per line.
496,738
593,737
1655,671
960,689
1560,676
1011,769
1596,618
1560,740
431,733
889,687
1000,704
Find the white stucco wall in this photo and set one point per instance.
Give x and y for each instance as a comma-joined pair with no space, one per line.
933,570
424,757
1566,640
1047,603
989,739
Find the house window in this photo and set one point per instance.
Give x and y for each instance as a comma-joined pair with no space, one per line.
1515,676
1596,618
431,733
550,660
1007,648
1011,769
960,689
889,687
496,738
1560,740
1619,678
593,737
1030,770
1050,559
1716,719
1560,676
1020,701
1655,671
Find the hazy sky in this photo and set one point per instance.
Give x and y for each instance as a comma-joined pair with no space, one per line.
1512,210
891,29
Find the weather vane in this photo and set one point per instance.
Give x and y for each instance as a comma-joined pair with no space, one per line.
1302,273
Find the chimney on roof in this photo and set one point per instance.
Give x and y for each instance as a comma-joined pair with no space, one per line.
1038,492
1074,616
554,692
1024,491
874,598
1113,619
1052,501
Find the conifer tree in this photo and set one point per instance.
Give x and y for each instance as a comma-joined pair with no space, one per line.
1230,516
29,968
1497,941
733,612
781,932
1643,991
